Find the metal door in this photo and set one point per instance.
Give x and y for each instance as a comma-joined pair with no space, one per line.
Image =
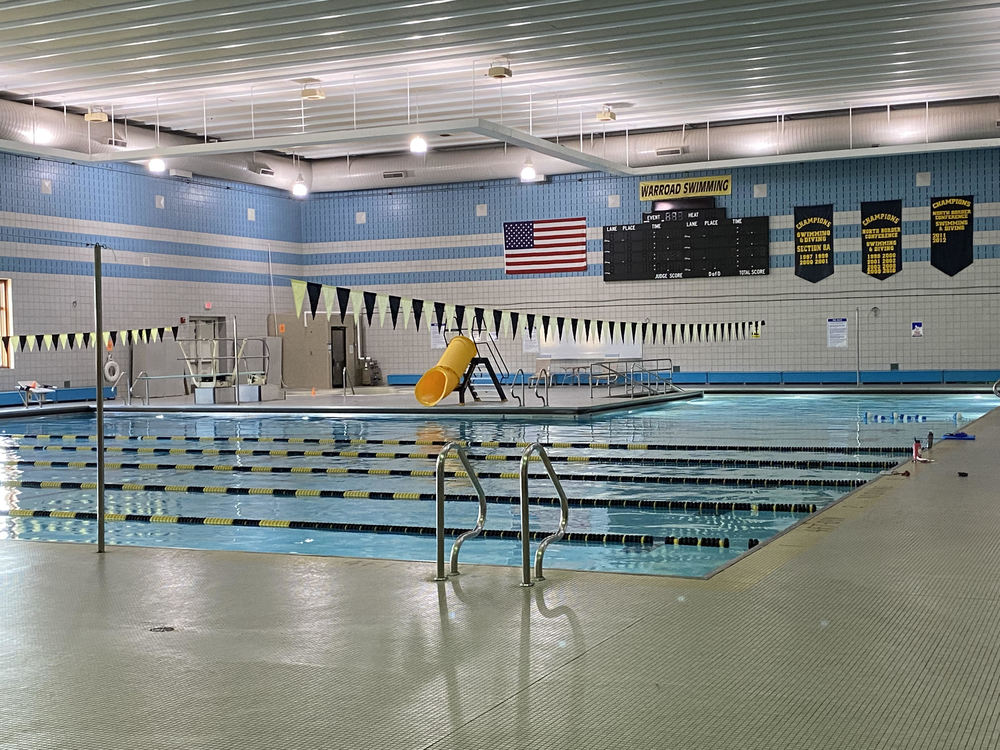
338,355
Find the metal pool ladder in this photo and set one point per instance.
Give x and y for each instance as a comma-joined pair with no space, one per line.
525,526
439,476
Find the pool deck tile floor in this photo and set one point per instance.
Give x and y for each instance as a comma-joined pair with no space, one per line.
871,625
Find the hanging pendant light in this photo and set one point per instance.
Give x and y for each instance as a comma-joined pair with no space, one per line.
528,173
418,145
156,164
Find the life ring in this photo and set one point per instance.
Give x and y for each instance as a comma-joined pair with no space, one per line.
112,371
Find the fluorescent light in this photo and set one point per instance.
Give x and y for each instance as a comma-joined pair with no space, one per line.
418,145
299,188
156,164
528,173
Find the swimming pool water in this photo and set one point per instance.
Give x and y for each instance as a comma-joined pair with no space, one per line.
717,424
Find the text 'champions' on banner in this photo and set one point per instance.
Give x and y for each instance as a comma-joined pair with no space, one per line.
690,187
881,238
814,242
951,233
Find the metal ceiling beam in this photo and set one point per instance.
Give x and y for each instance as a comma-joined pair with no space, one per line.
505,134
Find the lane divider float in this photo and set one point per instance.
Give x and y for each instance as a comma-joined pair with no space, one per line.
352,470
586,537
702,507
868,449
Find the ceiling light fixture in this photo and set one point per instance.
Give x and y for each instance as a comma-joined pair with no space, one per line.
528,173
418,145
299,188
156,165
95,116
606,114
500,69
314,93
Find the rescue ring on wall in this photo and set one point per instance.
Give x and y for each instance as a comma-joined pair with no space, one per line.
112,371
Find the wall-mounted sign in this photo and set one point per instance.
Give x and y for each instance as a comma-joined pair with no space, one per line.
690,187
881,238
836,333
917,329
814,242
951,233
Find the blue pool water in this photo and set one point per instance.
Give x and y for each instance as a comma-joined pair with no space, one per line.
718,425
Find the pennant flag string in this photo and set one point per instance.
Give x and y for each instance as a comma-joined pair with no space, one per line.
444,315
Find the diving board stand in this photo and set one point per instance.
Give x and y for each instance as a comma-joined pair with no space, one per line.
467,380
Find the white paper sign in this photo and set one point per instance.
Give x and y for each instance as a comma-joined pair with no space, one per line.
836,333
917,329
529,344
437,338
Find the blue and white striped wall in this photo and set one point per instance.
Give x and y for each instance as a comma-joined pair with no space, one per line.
431,242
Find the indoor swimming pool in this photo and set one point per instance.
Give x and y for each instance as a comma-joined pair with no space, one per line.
679,489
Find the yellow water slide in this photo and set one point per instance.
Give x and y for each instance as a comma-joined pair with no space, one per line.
443,378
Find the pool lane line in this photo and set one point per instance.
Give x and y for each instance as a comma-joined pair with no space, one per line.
869,449
427,473
678,462
716,507
586,537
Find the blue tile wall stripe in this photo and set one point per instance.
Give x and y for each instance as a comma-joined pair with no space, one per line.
124,194
122,270
149,247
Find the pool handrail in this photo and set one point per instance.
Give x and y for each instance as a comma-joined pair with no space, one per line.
542,377
524,381
525,522
439,503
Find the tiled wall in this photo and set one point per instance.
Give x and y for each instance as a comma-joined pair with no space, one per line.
158,263
430,242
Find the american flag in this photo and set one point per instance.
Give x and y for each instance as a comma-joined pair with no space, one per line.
545,245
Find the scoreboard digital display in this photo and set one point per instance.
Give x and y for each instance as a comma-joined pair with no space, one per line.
690,244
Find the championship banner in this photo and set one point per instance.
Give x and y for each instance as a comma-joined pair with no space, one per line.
690,187
951,234
881,238
814,242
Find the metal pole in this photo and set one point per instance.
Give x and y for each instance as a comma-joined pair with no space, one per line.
98,361
857,341
525,522
236,365
439,510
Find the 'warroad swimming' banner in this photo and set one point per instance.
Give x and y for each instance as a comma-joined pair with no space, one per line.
814,242
690,187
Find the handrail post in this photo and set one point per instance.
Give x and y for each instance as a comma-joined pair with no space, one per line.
525,520
563,514
439,509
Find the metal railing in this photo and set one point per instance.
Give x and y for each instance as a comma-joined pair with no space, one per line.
540,378
650,379
636,376
439,477
996,389
347,382
525,523
524,383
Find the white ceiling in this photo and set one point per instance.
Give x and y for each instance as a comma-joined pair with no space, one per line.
202,66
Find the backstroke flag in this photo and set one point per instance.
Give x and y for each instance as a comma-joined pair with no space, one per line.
545,246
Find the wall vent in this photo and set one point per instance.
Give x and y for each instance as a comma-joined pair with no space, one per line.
671,151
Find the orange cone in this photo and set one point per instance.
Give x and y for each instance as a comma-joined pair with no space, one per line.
313,391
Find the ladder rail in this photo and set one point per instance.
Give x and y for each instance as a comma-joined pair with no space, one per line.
439,509
525,520
542,377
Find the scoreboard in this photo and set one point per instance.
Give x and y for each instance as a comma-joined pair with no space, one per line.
688,244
